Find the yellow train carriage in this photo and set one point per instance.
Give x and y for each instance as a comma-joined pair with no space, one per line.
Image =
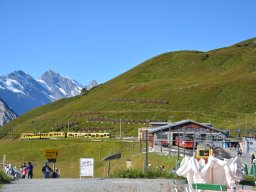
43,135
73,134
34,136
88,135
26,135
56,135
100,135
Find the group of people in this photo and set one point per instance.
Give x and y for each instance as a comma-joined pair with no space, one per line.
11,170
49,172
26,170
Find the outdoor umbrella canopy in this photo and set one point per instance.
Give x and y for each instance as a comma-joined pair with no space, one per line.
215,171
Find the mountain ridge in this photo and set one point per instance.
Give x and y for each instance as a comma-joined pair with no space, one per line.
22,92
215,86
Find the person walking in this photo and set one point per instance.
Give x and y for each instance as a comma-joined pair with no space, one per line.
30,170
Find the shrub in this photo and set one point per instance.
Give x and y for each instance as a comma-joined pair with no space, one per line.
4,178
138,173
248,180
127,173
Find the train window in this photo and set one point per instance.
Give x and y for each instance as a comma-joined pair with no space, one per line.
189,139
162,136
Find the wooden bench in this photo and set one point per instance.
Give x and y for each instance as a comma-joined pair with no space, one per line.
210,187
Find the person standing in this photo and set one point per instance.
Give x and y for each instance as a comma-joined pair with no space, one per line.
252,158
30,170
46,170
23,170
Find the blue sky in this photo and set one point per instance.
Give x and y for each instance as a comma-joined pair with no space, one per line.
99,40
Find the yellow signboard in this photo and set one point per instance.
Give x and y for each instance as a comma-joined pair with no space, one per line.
203,152
51,153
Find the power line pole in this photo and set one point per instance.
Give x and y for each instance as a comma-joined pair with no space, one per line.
146,161
169,141
246,116
255,120
120,129
161,141
184,142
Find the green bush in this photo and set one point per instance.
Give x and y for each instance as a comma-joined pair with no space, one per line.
138,173
4,178
248,180
127,173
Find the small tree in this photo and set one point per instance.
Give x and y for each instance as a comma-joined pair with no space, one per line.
84,91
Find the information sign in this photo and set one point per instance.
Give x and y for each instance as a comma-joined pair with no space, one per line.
86,167
51,153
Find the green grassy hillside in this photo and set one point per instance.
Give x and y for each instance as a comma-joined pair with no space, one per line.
218,86
70,151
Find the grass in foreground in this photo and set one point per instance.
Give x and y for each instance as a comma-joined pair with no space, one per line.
4,178
70,151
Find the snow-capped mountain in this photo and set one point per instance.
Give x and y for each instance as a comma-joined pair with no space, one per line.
22,92
92,84
59,85
6,114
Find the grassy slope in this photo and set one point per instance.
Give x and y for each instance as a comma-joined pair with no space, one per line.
213,86
70,151
205,86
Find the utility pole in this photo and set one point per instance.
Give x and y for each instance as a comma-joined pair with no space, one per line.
178,160
171,118
179,146
120,129
183,142
169,141
246,117
238,129
194,143
140,146
229,128
255,120
146,161
161,141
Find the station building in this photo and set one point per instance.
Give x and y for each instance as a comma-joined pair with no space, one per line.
165,133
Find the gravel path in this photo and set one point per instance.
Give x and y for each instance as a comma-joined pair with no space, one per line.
89,185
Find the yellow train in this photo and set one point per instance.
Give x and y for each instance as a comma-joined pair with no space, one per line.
58,135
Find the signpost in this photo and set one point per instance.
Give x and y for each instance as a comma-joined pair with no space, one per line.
51,155
111,157
4,156
86,167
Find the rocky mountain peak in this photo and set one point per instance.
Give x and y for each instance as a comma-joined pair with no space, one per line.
6,114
